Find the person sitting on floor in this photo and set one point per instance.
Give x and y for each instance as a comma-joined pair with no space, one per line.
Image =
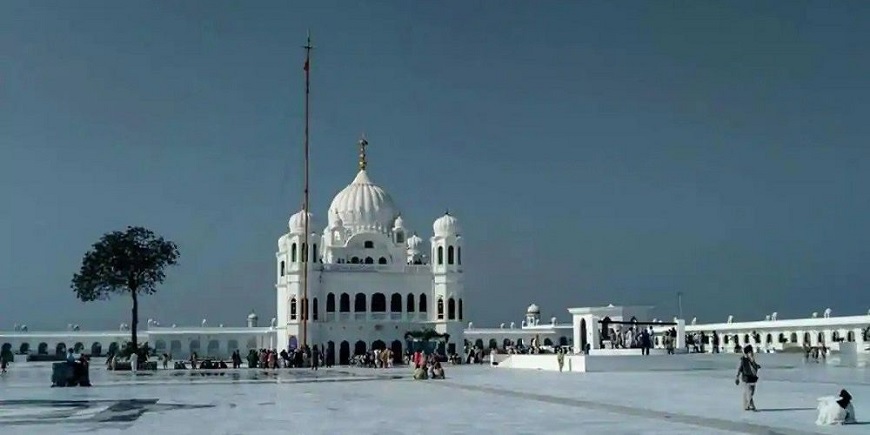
420,373
836,410
437,371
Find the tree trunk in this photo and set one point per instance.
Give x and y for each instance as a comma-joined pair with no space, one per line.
134,325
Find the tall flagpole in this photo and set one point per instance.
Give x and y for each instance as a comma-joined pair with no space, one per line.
305,247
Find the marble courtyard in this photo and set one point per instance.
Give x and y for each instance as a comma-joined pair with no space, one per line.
474,399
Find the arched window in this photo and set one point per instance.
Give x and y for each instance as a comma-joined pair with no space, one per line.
440,308
451,309
369,260
359,303
440,255
293,253
344,303
330,303
379,303
282,267
314,315
450,254
304,254
354,260
409,306
314,252
368,244
459,255
423,307
460,309
382,260
400,237
396,303
293,309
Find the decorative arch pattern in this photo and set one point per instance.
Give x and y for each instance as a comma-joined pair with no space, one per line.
330,303
379,303
359,303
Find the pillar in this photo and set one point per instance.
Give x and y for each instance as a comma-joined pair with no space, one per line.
681,335
592,335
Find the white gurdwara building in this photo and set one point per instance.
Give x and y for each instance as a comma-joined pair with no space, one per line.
370,279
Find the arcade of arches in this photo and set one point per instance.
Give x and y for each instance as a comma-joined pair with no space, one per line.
397,304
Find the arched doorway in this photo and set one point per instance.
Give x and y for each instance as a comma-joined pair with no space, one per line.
213,349
24,348
583,335
175,348
396,347
292,343
195,347
478,343
769,338
548,342
42,349
96,349
78,347
330,353
493,343
378,345
793,338
60,349
113,348
807,338
7,348
359,348
344,353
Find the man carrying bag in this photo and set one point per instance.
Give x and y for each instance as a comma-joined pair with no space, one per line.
747,371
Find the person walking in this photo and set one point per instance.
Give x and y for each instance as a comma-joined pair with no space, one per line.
747,371
560,357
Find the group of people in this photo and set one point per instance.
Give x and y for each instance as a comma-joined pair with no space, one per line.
427,366
831,409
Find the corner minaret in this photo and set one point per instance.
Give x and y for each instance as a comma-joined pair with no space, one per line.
447,274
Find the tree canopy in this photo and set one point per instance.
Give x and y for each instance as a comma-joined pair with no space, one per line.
131,261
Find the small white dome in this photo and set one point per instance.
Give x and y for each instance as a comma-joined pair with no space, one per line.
297,223
399,223
335,221
364,204
252,316
414,243
533,309
446,226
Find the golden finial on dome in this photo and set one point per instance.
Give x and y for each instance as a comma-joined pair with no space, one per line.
363,143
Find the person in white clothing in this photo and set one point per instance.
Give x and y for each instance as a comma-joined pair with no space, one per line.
836,410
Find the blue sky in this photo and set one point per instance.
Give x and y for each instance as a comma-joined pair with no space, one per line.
595,153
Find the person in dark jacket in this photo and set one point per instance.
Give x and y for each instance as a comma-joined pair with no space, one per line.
747,371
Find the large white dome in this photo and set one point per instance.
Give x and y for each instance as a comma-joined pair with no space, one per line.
363,204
